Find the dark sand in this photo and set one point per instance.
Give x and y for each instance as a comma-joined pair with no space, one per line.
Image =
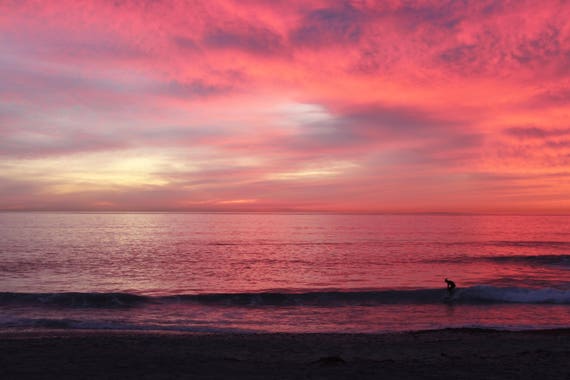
445,354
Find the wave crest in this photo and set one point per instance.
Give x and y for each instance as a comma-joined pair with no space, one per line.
549,260
481,294
486,293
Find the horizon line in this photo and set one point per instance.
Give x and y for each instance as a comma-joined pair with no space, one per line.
298,212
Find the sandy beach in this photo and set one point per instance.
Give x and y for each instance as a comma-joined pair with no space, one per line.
458,354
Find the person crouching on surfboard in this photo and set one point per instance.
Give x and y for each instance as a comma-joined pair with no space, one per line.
450,286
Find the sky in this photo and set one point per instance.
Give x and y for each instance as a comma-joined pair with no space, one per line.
249,105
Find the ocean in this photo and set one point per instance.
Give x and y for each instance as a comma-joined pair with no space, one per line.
271,272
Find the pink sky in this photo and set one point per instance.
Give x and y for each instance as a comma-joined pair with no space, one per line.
250,105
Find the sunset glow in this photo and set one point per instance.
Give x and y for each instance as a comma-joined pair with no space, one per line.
335,106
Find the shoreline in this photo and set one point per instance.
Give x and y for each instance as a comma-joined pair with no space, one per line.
463,353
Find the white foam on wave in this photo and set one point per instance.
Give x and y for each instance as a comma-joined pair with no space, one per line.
516,295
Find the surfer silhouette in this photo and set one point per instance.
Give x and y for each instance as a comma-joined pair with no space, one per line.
450,286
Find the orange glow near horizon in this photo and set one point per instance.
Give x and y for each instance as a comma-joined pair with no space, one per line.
334,106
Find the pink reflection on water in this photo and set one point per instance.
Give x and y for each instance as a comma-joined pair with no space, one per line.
213,253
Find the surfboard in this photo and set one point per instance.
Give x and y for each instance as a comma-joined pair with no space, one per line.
449,298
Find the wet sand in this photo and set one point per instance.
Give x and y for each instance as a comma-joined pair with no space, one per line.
443,354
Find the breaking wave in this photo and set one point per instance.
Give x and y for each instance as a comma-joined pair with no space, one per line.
554,260
560,261
531,243
481,294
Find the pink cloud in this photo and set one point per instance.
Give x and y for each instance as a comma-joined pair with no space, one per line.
390,105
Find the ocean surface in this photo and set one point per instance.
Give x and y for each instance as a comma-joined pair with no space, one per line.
282,272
